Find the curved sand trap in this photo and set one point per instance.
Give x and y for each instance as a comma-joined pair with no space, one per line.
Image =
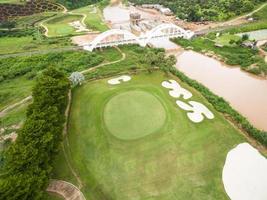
245,174
118,80
176,89
198,111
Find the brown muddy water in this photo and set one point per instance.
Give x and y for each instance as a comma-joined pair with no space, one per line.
246,93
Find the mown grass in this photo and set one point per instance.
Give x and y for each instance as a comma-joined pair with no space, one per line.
182,161
59,25
94,18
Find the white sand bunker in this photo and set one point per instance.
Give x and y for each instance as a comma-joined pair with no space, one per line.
176,89
119,80
245,174
78,25
198,111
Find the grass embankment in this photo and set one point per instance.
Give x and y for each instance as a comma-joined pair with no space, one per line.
248,59
169,163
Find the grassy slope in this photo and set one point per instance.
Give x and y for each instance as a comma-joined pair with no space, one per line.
183,161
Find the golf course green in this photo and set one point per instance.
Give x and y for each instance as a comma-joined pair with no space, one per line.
131,141
133,114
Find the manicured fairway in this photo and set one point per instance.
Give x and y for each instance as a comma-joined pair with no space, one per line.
156,152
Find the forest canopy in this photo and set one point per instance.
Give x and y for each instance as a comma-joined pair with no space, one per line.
205,10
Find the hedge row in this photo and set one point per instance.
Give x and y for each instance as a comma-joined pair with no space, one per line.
28,161
224,107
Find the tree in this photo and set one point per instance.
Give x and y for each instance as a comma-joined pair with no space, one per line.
76,78
28,161
245,37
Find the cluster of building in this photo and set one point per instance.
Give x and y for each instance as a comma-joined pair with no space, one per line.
162,9
138,25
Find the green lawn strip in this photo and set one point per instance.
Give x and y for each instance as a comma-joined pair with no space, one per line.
59,26
232,55
182,157
94,18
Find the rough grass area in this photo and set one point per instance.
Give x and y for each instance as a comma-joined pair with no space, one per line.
59,26
17,74
9,45
181,161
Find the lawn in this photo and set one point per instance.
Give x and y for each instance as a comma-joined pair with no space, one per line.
225,39
59,26
166,157
94,18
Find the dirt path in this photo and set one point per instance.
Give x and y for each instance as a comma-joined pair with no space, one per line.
65,189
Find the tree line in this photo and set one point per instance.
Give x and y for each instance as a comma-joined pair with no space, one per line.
202,10
28,161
